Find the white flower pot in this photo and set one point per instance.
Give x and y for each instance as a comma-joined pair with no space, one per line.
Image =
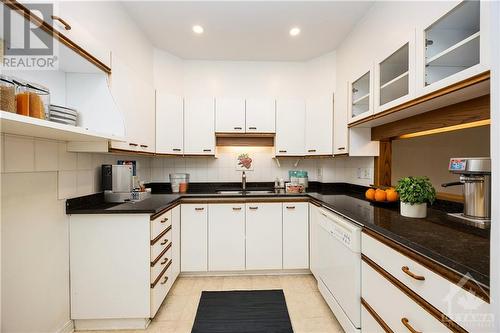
416,210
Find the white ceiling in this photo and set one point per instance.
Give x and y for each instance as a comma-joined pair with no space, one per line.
251,30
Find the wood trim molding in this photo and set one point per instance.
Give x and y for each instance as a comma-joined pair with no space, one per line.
375,316
160,236
134,152
383,164
161,254
445,320
163,211
15,5
245,140
461,113
435,94
161,275
450,197
453,277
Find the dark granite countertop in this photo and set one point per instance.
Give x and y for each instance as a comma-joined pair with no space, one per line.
458,247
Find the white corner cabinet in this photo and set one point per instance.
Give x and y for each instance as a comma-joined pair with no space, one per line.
453,46
241,236
152,254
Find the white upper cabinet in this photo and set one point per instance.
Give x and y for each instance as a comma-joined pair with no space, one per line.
454,46
136,100
340,130
71,17
199,126
169,124
395,75
260,115
319,126
360,96
230,115
290,129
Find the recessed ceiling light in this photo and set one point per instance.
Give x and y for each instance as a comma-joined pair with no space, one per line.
198,29
294,31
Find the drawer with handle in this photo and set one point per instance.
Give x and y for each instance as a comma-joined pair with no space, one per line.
395,308
159,264
431,286
159,224
160,288
159,244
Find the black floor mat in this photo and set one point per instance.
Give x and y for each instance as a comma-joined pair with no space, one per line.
255,311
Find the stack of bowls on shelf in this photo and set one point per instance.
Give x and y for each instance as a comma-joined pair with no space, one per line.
63,115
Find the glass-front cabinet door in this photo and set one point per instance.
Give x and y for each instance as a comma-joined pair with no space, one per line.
360,97
395,76
455,46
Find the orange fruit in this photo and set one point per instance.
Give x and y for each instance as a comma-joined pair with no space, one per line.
391,194
380,195
370,194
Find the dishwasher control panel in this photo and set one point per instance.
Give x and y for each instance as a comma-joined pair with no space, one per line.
343,230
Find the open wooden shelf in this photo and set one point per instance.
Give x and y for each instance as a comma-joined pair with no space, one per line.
12,123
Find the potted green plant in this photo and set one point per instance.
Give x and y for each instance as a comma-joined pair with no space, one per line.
415,193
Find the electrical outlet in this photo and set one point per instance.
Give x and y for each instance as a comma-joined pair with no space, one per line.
319,172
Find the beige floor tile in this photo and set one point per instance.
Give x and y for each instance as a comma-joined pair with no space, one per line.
308,311
237,283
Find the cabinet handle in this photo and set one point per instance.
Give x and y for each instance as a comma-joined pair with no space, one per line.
341,148
406,322
311,151
133,144
165,241
207,150
164,280
66,25
144,146
237,128
164,261
236,208
164,220
407,271
199,208
290,207
252,128
282,151
176,149
253,208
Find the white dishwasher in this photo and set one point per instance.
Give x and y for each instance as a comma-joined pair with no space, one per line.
339,268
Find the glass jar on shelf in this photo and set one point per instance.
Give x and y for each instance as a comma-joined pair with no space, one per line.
39,101
7,94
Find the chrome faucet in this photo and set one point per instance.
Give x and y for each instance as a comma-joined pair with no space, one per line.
244,181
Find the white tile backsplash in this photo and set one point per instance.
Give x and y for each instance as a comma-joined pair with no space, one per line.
84,161
19,154
67,160
67,182
84,182
46,155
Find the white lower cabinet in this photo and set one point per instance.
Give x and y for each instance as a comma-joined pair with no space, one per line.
226,237
264,236
295,235
176,242
194,246
313,240
368,323
400,312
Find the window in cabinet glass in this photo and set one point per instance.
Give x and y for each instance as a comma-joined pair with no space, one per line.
361,95
394,76
452,43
